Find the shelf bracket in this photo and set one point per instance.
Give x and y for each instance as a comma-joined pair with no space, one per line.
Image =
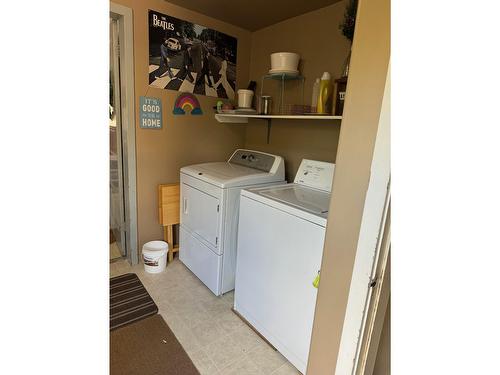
268,130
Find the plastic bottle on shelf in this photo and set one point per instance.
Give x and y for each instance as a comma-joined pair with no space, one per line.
325,90
315,95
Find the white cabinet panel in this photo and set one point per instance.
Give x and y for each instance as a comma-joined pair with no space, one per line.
202,261
200,214
279,256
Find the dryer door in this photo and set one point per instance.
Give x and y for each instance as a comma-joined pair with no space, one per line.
200,214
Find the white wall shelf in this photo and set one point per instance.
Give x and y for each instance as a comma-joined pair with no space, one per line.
233,118
242,119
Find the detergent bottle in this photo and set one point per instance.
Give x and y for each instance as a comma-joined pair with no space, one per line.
325,90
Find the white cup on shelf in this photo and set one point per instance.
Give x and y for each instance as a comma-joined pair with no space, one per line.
245,98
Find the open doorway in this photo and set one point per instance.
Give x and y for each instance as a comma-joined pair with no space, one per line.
117,219
122,168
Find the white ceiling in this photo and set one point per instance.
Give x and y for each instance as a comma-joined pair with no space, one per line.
252,14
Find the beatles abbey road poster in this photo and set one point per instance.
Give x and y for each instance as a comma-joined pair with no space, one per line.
187,57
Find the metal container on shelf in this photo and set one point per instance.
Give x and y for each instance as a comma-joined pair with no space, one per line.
265,105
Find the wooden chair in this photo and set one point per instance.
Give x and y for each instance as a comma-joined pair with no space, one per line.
169,214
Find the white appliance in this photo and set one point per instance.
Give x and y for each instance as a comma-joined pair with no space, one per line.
280,246
210,201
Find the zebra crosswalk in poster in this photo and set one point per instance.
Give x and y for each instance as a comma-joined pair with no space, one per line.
187,57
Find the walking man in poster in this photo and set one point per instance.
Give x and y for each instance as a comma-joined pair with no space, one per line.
223,79
187,64
164,63
205,70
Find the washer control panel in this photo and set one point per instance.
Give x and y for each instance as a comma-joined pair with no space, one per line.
315,174
253,159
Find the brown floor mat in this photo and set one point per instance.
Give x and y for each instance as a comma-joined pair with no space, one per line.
148,347
129,301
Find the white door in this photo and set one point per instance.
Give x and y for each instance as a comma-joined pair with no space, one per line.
200,214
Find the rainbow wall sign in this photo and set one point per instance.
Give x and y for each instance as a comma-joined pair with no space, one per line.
187,102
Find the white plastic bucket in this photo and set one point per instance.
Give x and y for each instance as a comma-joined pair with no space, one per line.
154,256
245,98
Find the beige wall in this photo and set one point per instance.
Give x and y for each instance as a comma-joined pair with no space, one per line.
317,38
183,140
368,71
189,139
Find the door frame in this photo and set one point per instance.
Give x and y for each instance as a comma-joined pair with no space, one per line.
120,234
377,309
371,236
124,17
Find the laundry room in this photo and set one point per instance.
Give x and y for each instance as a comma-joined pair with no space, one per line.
204,187
240,132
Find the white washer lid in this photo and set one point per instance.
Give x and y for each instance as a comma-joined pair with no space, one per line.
312,200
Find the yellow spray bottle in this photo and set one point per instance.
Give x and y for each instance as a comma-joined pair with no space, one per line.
325,90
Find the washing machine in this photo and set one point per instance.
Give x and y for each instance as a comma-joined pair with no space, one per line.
210,199
280,245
